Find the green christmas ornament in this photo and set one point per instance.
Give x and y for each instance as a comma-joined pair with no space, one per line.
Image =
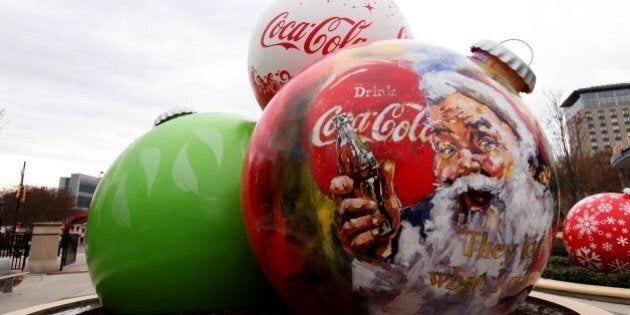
165,225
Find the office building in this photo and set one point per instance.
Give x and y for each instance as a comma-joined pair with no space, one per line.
80,186
599,116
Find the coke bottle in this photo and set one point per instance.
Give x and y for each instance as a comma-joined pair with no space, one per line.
357,162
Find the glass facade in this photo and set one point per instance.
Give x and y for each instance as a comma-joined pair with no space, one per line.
605,98
607,113
87,188
600,99
83,201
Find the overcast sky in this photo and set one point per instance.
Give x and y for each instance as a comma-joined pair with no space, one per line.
80,80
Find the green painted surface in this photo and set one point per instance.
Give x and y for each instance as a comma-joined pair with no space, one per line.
165,230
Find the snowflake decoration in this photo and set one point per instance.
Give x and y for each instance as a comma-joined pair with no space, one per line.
623,241
608,235
569,215
619,266
607,246
604,207
624,230
610,220
587,225
626,208
588,258
621,222
593,246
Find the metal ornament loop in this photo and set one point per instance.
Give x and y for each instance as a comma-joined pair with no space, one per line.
526,44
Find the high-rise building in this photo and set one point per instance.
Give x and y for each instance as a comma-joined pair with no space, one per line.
81,186
599,116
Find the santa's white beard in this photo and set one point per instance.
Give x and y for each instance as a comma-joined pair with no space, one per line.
520,209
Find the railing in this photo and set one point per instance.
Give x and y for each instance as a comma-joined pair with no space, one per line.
16,247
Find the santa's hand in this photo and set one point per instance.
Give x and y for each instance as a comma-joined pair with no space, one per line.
359,226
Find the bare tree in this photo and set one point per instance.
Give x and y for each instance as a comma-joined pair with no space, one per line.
580,173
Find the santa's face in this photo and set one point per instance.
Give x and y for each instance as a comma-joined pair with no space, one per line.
470,139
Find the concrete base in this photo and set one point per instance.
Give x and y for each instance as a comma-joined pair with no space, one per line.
584,291
44,246
91,302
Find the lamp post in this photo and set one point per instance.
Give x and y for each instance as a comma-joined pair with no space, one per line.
2,204
21,192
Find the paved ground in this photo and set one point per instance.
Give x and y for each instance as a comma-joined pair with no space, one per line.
36,289
74,281
616,309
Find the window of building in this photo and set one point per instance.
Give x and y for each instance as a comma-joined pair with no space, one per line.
593,137
613,113
87,187
614,120
616,127
617,137
590,99
589,115
83,201
595,148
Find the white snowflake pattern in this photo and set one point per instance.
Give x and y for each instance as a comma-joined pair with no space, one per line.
593,246
607,246
588,258
623,241
619,266
624,230
621,222
610,220
626,208
608,235
604,207
586,224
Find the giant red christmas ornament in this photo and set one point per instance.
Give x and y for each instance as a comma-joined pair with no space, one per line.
399,177
293,34
597,232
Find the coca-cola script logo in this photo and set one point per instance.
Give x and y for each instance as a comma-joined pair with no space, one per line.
388,112
324,36
392,123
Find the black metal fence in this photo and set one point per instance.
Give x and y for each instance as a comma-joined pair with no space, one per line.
68,248
15,247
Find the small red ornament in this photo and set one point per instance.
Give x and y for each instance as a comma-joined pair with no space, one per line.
597,232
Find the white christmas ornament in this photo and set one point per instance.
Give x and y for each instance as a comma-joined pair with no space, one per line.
293,34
